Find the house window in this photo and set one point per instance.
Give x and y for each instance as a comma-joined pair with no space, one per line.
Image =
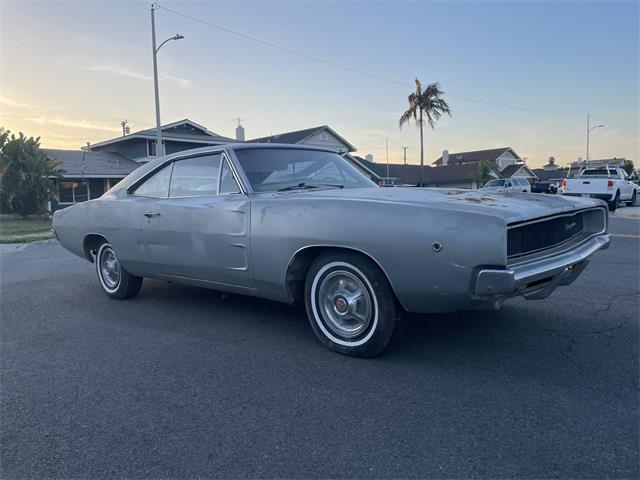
73,191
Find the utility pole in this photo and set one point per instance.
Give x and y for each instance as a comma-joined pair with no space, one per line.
159,145
405,154
159,149
387,149
589,132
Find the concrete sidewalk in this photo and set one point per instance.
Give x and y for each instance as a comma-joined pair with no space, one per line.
627,212
6,248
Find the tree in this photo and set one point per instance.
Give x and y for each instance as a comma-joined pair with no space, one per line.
25,175
628,167
422,104
484,172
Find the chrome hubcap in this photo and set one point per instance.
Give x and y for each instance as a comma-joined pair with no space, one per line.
109,268
345,303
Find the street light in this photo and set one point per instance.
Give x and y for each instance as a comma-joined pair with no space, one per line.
159,146
589,132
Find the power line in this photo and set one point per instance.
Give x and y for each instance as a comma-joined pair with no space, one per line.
355,70
614,124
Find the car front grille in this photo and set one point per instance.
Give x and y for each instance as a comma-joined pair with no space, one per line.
544,234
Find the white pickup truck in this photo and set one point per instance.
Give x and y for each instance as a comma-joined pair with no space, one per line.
606,183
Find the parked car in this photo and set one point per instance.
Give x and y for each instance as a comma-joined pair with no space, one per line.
544,187
302,225
513,184
604,182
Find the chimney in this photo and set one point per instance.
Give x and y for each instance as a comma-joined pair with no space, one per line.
240,133
445,157
369,158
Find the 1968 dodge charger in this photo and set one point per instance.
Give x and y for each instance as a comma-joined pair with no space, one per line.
298,224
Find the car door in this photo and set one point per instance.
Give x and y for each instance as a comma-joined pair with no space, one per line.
200,229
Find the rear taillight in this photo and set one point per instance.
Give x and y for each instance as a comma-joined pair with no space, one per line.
610,184
564,183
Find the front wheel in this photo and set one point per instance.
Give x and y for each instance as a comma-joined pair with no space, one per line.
350,304
632,202
114,279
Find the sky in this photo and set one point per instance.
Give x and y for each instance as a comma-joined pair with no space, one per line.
70,72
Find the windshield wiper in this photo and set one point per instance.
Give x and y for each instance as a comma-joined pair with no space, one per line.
307,186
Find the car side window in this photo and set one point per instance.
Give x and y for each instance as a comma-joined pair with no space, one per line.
507,183
195,177
228,184
157,185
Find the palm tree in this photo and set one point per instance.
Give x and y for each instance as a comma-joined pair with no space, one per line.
425,103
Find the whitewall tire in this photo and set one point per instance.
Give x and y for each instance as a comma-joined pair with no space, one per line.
114,279
350,304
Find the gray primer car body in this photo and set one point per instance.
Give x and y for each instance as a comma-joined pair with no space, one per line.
434,245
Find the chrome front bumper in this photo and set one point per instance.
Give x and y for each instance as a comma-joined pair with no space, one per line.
536,279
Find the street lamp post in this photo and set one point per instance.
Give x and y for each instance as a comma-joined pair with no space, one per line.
589,132
159,146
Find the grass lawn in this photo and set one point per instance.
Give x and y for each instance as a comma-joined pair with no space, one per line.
24,230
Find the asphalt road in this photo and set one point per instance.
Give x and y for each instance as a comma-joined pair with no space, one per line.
180,382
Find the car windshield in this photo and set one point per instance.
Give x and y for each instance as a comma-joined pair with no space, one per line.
495,183
281,169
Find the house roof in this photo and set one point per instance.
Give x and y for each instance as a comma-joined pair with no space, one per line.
174,131
511,170
410,174
301,135
96,164
476,156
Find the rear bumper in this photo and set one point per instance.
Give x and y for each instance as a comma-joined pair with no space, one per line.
536,279
607,197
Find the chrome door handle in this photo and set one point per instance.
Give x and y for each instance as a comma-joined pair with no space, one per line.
151,214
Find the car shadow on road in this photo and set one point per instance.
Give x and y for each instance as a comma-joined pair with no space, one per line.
503,343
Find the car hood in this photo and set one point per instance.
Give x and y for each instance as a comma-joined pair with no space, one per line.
511,207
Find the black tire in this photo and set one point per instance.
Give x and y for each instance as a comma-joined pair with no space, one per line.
615,203
363,280
114,279
632,202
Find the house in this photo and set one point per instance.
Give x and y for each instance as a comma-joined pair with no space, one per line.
176,137
518,170
464,175
508,162
502,157
322,136
87,175
90,172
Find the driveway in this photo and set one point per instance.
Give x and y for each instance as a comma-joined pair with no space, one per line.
183,382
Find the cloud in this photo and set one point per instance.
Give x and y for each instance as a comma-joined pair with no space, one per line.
119,70
72,123
12,102
122,71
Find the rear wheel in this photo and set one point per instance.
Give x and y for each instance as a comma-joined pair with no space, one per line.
615,203
350,305
632,202
114,279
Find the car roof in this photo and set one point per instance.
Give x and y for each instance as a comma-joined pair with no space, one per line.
238,146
